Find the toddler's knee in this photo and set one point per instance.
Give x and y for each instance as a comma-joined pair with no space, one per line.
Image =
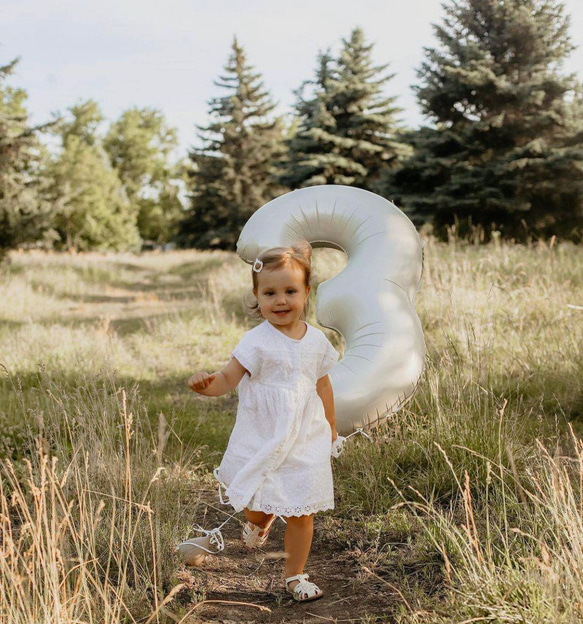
301,521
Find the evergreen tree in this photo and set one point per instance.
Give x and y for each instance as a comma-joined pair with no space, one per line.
348,131
365,118
506,151
139,145
90,207
234,172
84,123
23,212
311,157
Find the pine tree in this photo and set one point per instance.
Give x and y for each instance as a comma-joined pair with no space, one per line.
23,211
506,151
348,132
139,145
311,157
234,172
366,119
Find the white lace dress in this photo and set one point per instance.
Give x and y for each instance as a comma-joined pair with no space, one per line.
278,456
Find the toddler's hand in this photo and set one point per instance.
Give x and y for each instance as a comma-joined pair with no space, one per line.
337,446
201,381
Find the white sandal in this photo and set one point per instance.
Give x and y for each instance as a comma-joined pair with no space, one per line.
304,590
254,536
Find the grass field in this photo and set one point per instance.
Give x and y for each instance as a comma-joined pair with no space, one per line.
467,507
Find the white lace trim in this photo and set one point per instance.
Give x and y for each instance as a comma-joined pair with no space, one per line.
295,510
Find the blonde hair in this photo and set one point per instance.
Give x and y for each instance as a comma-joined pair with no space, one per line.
299,253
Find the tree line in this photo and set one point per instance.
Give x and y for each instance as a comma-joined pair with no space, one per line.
502,150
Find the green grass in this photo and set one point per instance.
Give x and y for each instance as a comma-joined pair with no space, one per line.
468,501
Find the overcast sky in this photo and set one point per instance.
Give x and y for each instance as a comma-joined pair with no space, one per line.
166,54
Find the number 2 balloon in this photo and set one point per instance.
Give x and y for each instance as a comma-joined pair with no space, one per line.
370,302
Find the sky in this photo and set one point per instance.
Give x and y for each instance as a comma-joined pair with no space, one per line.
166,54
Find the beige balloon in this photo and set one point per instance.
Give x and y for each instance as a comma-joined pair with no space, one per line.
371,302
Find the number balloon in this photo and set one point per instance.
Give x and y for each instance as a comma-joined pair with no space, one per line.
370,302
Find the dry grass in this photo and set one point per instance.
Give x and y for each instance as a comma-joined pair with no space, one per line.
476,486
87,534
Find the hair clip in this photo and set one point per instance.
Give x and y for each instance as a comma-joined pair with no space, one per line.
257,265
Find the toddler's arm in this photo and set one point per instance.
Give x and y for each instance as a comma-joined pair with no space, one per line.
217,384
324,389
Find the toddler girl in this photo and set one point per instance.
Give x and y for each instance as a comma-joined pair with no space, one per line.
277,462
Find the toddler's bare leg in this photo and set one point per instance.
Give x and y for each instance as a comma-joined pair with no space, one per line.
257,517
297,542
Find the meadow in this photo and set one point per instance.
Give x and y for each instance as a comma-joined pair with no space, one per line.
466,506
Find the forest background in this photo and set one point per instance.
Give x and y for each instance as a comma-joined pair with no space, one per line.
501,153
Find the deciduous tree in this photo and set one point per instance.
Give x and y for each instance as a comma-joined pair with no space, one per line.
140,145
90,209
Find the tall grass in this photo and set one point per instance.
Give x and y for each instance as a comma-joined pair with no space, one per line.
104,451
90,517
522,565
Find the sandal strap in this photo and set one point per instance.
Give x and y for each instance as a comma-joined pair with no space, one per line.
297,577
304,590
249,526
252,533
306,586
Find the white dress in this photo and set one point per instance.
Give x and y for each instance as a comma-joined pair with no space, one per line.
278,456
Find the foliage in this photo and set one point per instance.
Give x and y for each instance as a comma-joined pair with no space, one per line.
90,209
23,211
348,132
507,149
159,216
309,161
234,171
139,145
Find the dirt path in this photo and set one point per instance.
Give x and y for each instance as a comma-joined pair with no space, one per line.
256,578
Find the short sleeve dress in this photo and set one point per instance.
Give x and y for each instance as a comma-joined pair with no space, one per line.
278,457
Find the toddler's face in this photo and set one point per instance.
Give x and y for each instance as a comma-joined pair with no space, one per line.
282,294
